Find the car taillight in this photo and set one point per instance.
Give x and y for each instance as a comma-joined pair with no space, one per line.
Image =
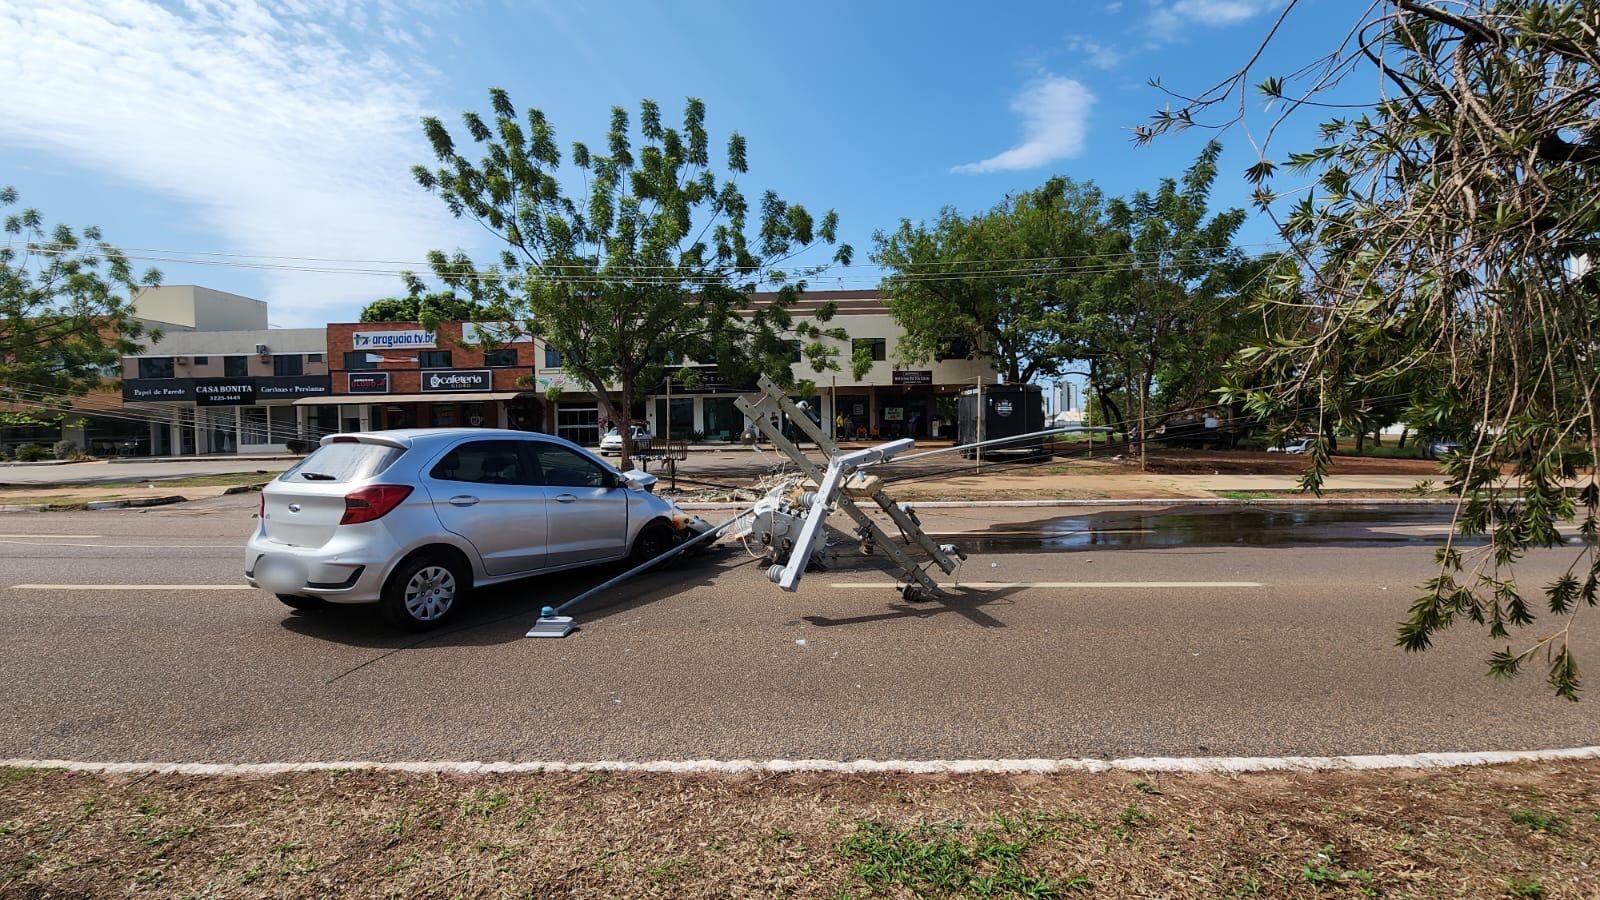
369,503
261,506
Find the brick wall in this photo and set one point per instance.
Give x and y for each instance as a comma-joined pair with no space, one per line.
405,377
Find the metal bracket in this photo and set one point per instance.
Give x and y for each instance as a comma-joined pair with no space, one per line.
829,497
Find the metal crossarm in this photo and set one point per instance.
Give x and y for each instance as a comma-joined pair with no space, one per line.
829,495
811,470
885,502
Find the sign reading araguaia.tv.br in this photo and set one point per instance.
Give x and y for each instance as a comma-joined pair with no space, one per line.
393,340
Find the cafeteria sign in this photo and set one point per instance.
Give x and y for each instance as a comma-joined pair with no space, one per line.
447,380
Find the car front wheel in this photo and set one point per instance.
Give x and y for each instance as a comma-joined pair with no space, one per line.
423,594
653,540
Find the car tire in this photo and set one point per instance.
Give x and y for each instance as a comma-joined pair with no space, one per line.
304,604
654,539
423,593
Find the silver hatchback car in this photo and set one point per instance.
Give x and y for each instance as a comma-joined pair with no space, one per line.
413,519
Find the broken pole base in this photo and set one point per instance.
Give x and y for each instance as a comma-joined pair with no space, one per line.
550,625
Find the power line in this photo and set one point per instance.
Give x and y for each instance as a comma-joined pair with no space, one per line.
50,246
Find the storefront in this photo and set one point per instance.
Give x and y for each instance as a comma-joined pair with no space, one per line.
198,416
389,375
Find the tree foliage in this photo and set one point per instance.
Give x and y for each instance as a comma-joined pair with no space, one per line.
66,313
1439,240
636,255
429,307
1170,298
1144,290
999,284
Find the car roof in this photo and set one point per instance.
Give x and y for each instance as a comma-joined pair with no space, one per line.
409,437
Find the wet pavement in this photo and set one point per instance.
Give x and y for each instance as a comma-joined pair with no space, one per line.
1132,529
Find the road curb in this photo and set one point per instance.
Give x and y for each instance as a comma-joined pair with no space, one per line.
1136,501
134,503
1194,765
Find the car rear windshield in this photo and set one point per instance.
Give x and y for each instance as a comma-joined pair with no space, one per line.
344,461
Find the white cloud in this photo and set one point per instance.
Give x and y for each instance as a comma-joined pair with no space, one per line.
1093,52
1054,113
1169,20
283,138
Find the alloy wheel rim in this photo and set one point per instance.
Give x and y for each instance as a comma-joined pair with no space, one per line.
430,593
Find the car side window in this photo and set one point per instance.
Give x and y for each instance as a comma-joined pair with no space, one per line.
483,462
563,468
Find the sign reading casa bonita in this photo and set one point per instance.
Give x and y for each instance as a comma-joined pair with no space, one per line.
443,381
225,391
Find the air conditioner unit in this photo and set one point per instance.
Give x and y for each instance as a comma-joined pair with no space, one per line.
261,350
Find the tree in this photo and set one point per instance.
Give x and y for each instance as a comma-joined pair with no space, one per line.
428,307
1444,229
648,266
66,313
999,284
1171,293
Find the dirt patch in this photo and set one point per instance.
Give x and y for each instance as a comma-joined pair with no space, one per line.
1527,830
1249,462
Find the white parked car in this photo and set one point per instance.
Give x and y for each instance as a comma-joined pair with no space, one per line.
1298,445
611,444
413,519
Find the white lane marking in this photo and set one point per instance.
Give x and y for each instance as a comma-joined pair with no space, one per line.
132,587
128,546
880,585
81,537
1198,765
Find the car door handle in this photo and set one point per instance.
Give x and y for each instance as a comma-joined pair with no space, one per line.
463,500
566,498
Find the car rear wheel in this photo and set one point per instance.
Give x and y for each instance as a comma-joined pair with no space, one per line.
423,593
302,603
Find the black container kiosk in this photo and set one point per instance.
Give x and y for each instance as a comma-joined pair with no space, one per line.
1009,410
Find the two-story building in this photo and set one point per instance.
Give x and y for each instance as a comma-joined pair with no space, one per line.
892,399
402,375
218,379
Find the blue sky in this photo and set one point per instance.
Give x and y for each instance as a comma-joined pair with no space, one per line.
286,129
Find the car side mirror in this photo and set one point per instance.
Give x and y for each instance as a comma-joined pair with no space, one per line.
610,480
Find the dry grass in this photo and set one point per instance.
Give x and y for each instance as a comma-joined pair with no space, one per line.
1503,831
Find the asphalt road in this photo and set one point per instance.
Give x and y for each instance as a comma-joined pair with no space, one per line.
709,661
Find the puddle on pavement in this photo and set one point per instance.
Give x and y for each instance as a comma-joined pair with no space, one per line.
1260,527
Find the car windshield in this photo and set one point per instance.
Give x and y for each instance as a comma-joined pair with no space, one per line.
343,461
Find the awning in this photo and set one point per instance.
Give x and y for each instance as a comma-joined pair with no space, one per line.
356,399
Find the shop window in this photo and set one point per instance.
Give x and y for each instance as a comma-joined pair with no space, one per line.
957,348
284,426
313,357
795,351
155,367
253,424
579,423
202,360
681,418
434,359
497,359
356,360
235,366
877,348
552,358
724,422
288,364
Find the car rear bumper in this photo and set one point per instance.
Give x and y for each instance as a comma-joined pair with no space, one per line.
313,572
